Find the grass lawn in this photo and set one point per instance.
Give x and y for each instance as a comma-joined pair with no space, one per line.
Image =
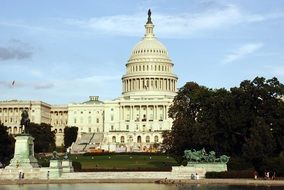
122,162
125,162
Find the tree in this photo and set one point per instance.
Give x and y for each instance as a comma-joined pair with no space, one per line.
7,144
70,136
244,121
44,137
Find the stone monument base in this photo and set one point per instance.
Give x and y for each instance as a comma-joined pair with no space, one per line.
24,153
198,168
55,168
67,166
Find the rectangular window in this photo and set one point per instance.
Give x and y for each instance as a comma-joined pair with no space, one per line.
98,120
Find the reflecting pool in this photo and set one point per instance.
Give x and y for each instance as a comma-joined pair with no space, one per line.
133,186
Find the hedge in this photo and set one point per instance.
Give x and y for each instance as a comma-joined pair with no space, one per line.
230,174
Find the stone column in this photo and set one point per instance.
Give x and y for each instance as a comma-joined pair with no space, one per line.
164,112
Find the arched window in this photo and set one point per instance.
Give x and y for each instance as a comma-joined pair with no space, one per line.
113,139
130,138
122,139
156,139
60,130
139,139
147,139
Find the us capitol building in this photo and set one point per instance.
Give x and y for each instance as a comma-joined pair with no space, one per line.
134,121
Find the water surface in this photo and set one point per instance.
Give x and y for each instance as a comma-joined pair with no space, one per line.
133,186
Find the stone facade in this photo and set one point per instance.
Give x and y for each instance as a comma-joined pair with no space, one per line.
10,113
87,116
59,120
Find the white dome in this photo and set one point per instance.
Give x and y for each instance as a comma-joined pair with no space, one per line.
149,46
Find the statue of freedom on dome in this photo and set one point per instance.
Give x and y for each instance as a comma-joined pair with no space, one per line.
149,17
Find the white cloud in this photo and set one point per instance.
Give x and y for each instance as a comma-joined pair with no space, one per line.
242,52
177,25
16,49
23,84
172,26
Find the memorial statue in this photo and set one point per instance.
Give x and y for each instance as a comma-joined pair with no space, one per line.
54,156
66,157
25,121
199,156
149,17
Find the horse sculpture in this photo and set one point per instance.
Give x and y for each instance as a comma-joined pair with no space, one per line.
194,155
202,156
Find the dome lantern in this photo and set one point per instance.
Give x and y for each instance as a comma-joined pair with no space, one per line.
149,26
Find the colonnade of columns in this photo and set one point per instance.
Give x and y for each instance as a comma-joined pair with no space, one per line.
144,112
163,84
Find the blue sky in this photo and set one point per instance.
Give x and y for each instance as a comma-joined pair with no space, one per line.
64,51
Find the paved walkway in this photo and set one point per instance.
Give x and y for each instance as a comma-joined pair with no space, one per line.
165,181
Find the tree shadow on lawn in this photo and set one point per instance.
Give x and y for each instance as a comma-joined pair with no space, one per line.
163,165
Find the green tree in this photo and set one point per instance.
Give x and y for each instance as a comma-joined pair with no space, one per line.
243,121
44,137
7,144
70,135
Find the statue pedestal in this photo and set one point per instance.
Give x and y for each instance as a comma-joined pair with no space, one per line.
67,166
55,168
24,153
198,168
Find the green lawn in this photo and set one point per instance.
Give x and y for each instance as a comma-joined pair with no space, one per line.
125,162
117,162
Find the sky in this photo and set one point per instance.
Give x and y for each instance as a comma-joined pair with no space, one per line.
64,51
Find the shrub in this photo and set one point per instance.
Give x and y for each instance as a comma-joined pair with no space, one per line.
77,166
275,164
230,174
239,164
